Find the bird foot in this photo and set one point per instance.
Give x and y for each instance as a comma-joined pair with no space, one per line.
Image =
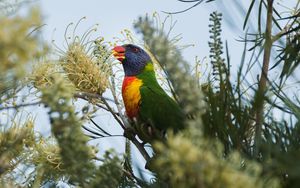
129,133
148,164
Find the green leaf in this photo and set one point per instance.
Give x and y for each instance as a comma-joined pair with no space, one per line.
248,13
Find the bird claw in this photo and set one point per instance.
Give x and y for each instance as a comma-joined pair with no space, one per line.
148,164
129,133
143,143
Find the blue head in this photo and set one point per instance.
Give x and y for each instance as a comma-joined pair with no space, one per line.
133,58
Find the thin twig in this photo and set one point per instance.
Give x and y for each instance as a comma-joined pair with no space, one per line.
281,33
197,2
86,96
113,91
93,132
20,106
113,135
105,132
114,115
106,109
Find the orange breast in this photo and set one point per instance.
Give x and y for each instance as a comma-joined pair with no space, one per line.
131,95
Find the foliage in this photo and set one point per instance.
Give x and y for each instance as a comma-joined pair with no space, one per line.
21,47
67,130
110,172
12,142
233,136
200,163
9,7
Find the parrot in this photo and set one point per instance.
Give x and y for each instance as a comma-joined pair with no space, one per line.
144,99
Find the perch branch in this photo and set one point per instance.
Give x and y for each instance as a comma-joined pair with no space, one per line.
263,78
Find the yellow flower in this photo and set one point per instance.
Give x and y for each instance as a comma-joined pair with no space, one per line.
84,71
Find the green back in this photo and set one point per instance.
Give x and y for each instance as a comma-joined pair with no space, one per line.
156,107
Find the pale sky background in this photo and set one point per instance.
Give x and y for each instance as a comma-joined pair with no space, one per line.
114,16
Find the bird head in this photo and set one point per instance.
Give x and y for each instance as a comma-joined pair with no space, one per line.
133,58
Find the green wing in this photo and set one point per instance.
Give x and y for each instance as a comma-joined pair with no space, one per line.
158,109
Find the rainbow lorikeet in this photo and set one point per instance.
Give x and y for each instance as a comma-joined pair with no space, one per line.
145,101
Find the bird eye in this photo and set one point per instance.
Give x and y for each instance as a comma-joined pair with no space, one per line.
135,50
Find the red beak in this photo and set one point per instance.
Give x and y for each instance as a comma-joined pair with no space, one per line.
119,53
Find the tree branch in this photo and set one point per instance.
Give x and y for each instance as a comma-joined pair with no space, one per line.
140,147
260,95
283,32
86,96
20,106
131,176
122,122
